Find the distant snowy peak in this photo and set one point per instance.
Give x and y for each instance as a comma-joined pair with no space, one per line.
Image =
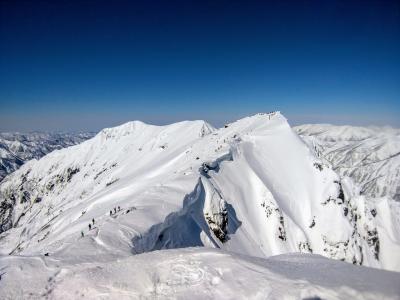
261,122
138,129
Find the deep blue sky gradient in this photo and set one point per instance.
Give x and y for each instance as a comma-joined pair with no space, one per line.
85,65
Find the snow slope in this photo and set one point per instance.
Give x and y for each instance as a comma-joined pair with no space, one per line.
195,273
17,148
253,187
369,155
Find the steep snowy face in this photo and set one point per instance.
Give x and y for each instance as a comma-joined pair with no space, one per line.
369,155
17,148
252,187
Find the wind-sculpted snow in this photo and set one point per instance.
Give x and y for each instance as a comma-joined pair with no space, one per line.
17,148
205,220
195,273
253,187
369,155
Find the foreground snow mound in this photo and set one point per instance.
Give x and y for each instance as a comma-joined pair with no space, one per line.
195,273
369,155
253,187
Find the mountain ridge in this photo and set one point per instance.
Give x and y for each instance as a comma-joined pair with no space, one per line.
148,170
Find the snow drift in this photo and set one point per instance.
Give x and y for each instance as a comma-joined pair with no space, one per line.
196,273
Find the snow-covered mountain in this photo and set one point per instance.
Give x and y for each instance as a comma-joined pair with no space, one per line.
369,155
17,148
253,188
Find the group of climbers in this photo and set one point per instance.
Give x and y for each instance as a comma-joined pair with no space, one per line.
115,210
90,225
90,228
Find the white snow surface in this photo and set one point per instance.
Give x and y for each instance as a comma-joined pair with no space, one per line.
253,188
195,273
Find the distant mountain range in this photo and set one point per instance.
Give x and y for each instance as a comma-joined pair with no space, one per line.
17,148
369,155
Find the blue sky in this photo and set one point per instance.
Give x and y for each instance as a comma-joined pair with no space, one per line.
86,65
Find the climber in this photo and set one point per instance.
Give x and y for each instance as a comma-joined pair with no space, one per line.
82,235
90,226
93,221
110,213
115,210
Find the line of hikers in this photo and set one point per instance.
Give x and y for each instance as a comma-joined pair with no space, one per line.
115,210
90,228
111,213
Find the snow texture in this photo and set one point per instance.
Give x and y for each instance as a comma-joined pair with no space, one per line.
195,273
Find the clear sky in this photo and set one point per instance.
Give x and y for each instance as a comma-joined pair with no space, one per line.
85,65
